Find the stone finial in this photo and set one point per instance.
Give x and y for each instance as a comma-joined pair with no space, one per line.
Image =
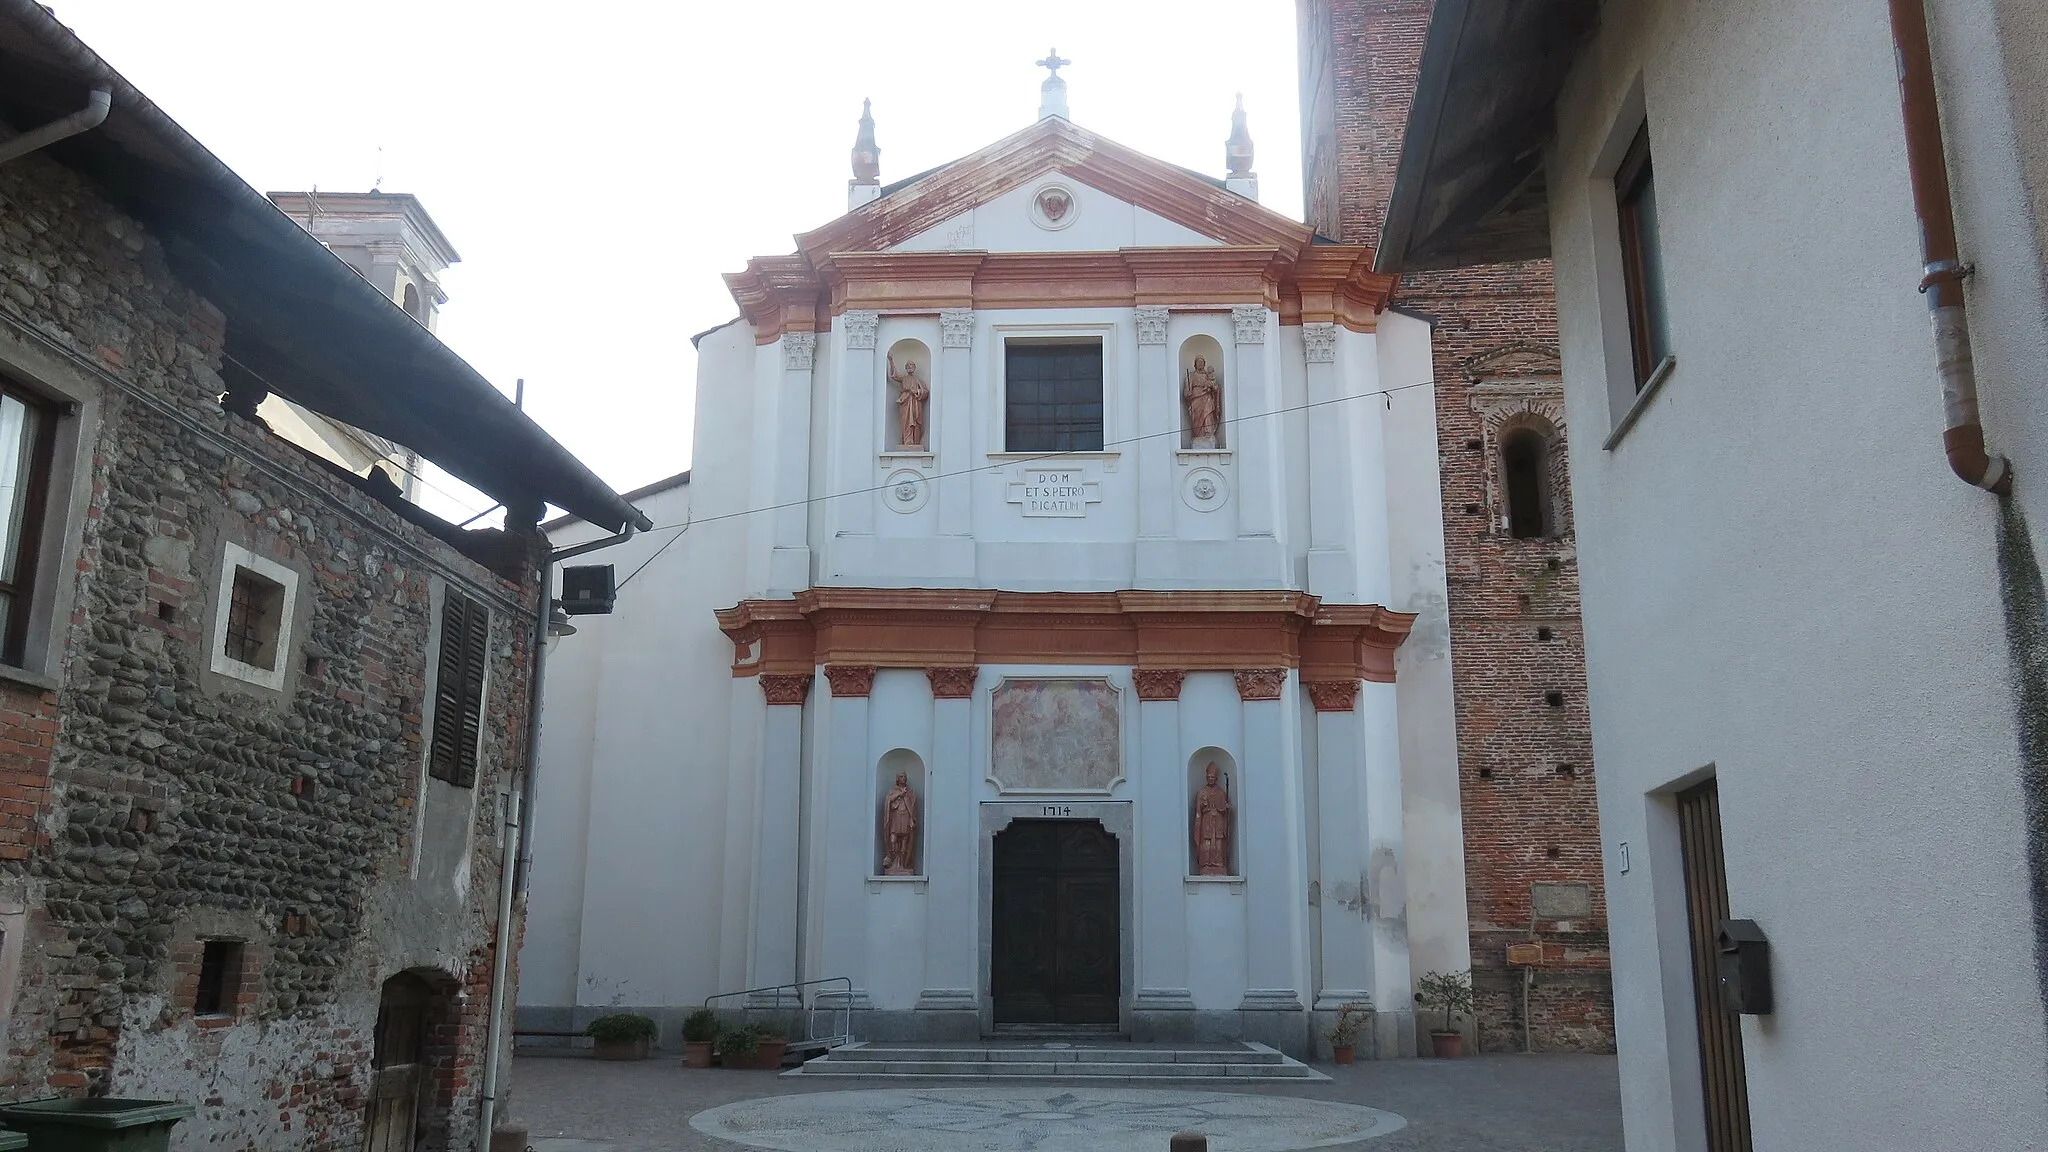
867,155
866,184
1237,151
1237,154
1052,95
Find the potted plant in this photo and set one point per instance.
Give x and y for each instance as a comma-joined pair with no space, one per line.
1451,992
700,1028
751,1046
621,1036
1344,1033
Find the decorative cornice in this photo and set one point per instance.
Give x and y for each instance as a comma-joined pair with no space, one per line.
1248,323
860,328
1260,683
777,294
1151,324
952,683
785,688
1158,683
799,350
956,329
849,680
1218,630
1333,695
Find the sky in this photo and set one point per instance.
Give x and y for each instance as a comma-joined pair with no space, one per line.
599,166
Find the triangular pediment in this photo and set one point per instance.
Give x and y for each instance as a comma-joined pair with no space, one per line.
932,200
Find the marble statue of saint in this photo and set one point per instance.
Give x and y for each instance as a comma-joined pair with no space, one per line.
911,394
899,829
1212,828
1203,396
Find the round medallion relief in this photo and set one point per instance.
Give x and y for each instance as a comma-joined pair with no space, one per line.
1054,206
1204,489
906,491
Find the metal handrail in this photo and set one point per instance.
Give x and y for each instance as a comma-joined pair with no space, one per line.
808,1004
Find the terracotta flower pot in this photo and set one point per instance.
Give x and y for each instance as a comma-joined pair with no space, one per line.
1447,1045
1344,1053
697,1053
619,1049
766,1056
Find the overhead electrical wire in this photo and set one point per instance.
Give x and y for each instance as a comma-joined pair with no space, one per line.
685,526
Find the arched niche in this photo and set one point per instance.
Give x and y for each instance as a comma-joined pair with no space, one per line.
410,301
1532,477
903,354
909,765
1226,779
1206,349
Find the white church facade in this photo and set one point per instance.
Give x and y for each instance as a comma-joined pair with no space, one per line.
1057,637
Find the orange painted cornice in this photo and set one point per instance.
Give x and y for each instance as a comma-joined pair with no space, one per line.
1188,631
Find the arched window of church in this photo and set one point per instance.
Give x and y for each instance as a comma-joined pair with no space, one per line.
1523,483
411,303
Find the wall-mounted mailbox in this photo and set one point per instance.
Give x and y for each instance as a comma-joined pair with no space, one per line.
587,590
1745,968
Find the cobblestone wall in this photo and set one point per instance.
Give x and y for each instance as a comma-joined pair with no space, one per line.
149,804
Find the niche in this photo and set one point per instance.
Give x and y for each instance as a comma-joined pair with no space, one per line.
908,367
1206,824
1201,393
899,819
1531,477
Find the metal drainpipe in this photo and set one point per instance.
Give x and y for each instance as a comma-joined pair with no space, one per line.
1942,283
500,967
84,120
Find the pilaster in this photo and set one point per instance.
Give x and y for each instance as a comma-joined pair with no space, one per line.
1270,793
1386,871
789,564
1257,433
772,958
1163,827
849,821
950,863
1332,567
852,451
952,400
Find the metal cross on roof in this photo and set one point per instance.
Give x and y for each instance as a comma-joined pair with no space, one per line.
1053,62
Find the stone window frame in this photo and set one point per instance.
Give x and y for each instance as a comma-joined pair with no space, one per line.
77,400
1513,388
234,556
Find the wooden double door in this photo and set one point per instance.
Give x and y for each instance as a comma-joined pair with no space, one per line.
1055,939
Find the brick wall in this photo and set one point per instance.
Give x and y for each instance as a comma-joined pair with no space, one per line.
1515,634
149,804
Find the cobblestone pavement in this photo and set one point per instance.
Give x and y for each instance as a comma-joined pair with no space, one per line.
1481,1104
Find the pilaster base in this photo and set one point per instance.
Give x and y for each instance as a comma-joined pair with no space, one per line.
1276,1017
789,570
948,1000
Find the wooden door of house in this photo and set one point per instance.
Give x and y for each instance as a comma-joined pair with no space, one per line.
1723,1082
1055,938
398,1066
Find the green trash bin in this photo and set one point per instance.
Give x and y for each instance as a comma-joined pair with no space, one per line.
101,1125
9,1141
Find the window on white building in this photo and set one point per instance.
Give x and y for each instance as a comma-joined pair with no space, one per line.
1052,396
1642,259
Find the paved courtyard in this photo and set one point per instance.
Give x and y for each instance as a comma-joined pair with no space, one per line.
1482,1104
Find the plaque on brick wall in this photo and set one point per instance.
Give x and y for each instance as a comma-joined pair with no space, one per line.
1561,901
1054,734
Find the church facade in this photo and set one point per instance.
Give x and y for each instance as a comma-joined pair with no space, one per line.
1049,634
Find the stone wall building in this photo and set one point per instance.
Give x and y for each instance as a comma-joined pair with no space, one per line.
1525,755
259,716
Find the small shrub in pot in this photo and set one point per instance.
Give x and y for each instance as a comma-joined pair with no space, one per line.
700,1029
621,1036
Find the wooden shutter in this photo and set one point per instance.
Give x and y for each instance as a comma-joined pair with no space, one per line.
459,690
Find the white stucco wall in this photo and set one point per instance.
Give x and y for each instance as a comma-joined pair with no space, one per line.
1785,587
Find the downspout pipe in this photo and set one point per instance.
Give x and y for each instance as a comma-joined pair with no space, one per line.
1943,271
84,120
500,969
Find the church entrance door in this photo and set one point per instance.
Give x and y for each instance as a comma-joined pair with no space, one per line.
1055,948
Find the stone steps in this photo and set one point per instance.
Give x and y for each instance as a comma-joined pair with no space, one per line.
1247,1062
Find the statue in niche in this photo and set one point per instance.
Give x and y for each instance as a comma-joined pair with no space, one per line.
1203,395
1212,828
899,829
911,394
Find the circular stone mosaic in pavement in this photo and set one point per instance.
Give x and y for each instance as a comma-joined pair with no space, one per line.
1054,1118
